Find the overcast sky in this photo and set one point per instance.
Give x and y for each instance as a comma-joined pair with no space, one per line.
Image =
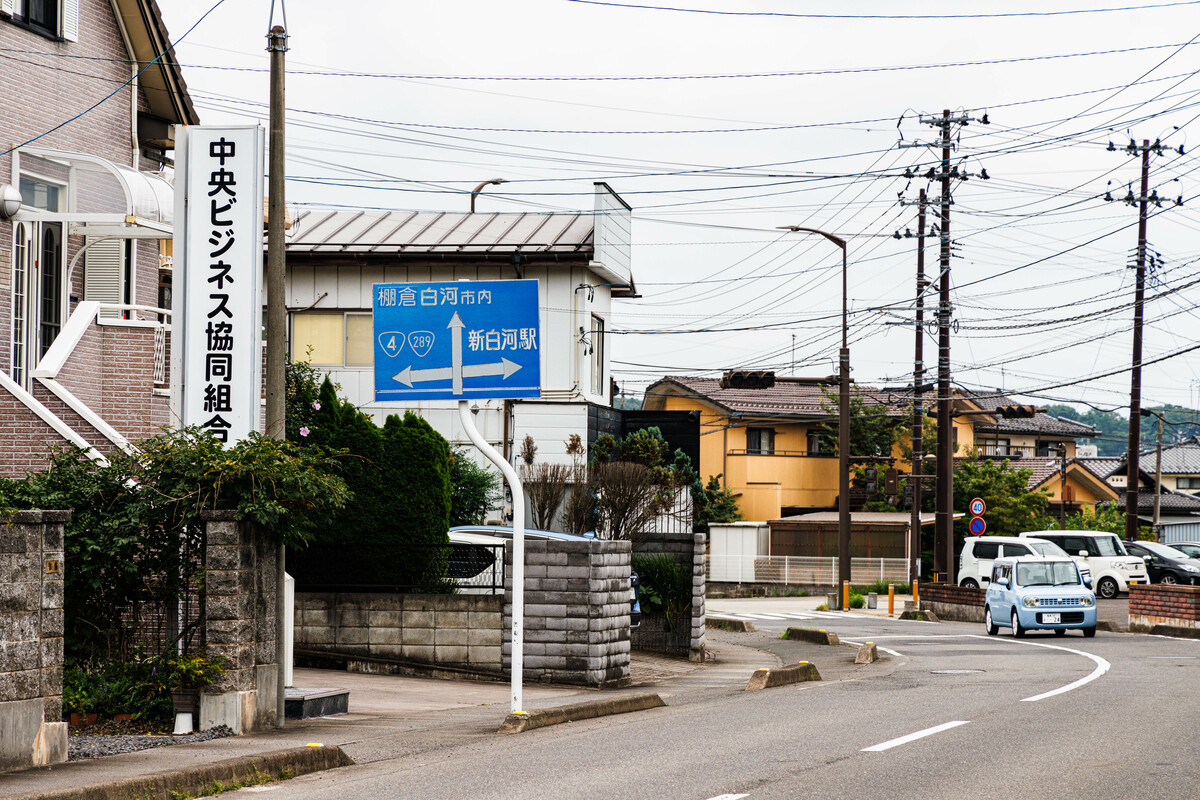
801,127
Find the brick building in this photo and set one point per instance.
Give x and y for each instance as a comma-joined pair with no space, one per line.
84,358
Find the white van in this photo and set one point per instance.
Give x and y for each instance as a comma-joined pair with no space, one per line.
1113,569
975,560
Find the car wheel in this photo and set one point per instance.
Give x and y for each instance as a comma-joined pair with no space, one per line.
1168,578
1016,625
1107,588
1060,631
969,583
991,627
1089,632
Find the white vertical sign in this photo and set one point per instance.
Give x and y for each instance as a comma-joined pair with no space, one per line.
218,254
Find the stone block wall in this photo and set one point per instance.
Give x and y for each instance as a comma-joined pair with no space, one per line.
577,599
950,602
689,550
1161,606
32,732
447,630
240,624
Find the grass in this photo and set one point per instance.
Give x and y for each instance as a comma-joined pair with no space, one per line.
220,787
881,587
723,624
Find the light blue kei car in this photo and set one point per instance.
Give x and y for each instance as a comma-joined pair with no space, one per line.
1039,593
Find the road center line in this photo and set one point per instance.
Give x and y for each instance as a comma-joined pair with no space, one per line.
912,737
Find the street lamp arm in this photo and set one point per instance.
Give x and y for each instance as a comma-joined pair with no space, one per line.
479,188
839,241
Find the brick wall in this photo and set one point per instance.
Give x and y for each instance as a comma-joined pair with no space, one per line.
688,550
577,599
952,602
448,630
32,732
1160,606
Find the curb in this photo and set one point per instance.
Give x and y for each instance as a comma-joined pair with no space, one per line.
793,673
923,616
196,781
589,709
1109,625
812,635
736,625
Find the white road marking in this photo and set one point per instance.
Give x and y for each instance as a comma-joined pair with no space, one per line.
1102,667
729,797
912,737
877,647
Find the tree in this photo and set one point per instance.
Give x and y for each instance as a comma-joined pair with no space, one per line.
873,434
716,505
474,490
1011,506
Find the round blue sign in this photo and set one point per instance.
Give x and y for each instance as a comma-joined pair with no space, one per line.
978,526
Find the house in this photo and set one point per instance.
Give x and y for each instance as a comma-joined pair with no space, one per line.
1178,495
770,445
581,261
85,355
1071,484
1040,435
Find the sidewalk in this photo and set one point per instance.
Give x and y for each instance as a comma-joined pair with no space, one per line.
392,715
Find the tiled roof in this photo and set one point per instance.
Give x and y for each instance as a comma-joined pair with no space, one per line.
1177,459
789,397
1039,423
1167,501
1102,468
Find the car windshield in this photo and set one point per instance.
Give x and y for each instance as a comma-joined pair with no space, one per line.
1163,550
1047,549
1047,573
1109,546
1192,550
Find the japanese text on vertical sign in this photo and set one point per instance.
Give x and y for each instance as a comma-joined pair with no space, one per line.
221,347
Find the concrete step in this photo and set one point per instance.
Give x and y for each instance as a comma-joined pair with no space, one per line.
301,703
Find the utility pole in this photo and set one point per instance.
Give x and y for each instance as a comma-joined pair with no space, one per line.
1142,201
1157,464
277,325
918,463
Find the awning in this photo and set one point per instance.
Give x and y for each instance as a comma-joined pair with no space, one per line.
102,198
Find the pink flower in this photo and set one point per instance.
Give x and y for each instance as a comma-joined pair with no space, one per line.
316,405
304,431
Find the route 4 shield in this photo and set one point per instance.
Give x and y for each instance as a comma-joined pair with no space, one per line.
457,340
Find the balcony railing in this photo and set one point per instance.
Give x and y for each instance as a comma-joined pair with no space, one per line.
1013,451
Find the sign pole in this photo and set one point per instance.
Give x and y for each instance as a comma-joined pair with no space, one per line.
518,571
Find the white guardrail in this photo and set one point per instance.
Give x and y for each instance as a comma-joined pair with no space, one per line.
806,570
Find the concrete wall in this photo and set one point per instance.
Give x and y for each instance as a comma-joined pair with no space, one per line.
449,630
240,624
1159,606
32,732
951,602
688,549
577,600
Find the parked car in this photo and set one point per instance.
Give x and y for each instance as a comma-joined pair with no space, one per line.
1113,570
1038,593
1189,549
465,536
975,560
1165,564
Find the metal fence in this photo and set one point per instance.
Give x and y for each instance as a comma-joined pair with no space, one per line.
402,568
804,570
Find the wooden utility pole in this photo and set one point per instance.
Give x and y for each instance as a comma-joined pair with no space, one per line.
1135,380
943,557
277,325
918,465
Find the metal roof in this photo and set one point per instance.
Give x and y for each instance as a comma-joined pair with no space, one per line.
361,232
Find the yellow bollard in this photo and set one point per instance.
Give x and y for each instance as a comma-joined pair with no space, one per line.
845,595
916,596
891,599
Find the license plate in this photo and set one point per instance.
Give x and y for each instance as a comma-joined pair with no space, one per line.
1133,583
1048,618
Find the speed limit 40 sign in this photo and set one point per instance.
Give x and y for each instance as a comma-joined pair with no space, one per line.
978,507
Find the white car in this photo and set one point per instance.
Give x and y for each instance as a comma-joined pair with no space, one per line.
975,560
1113,569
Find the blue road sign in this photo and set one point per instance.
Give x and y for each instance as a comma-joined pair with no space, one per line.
457,340
978,526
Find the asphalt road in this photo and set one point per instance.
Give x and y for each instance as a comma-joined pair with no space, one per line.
948,712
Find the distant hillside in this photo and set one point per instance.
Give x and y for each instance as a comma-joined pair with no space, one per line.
1113,427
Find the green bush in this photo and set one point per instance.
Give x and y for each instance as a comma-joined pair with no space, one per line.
117,687
857,600
666,586
474,490
881,588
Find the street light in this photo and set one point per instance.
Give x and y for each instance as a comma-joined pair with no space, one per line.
843,417
475,192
